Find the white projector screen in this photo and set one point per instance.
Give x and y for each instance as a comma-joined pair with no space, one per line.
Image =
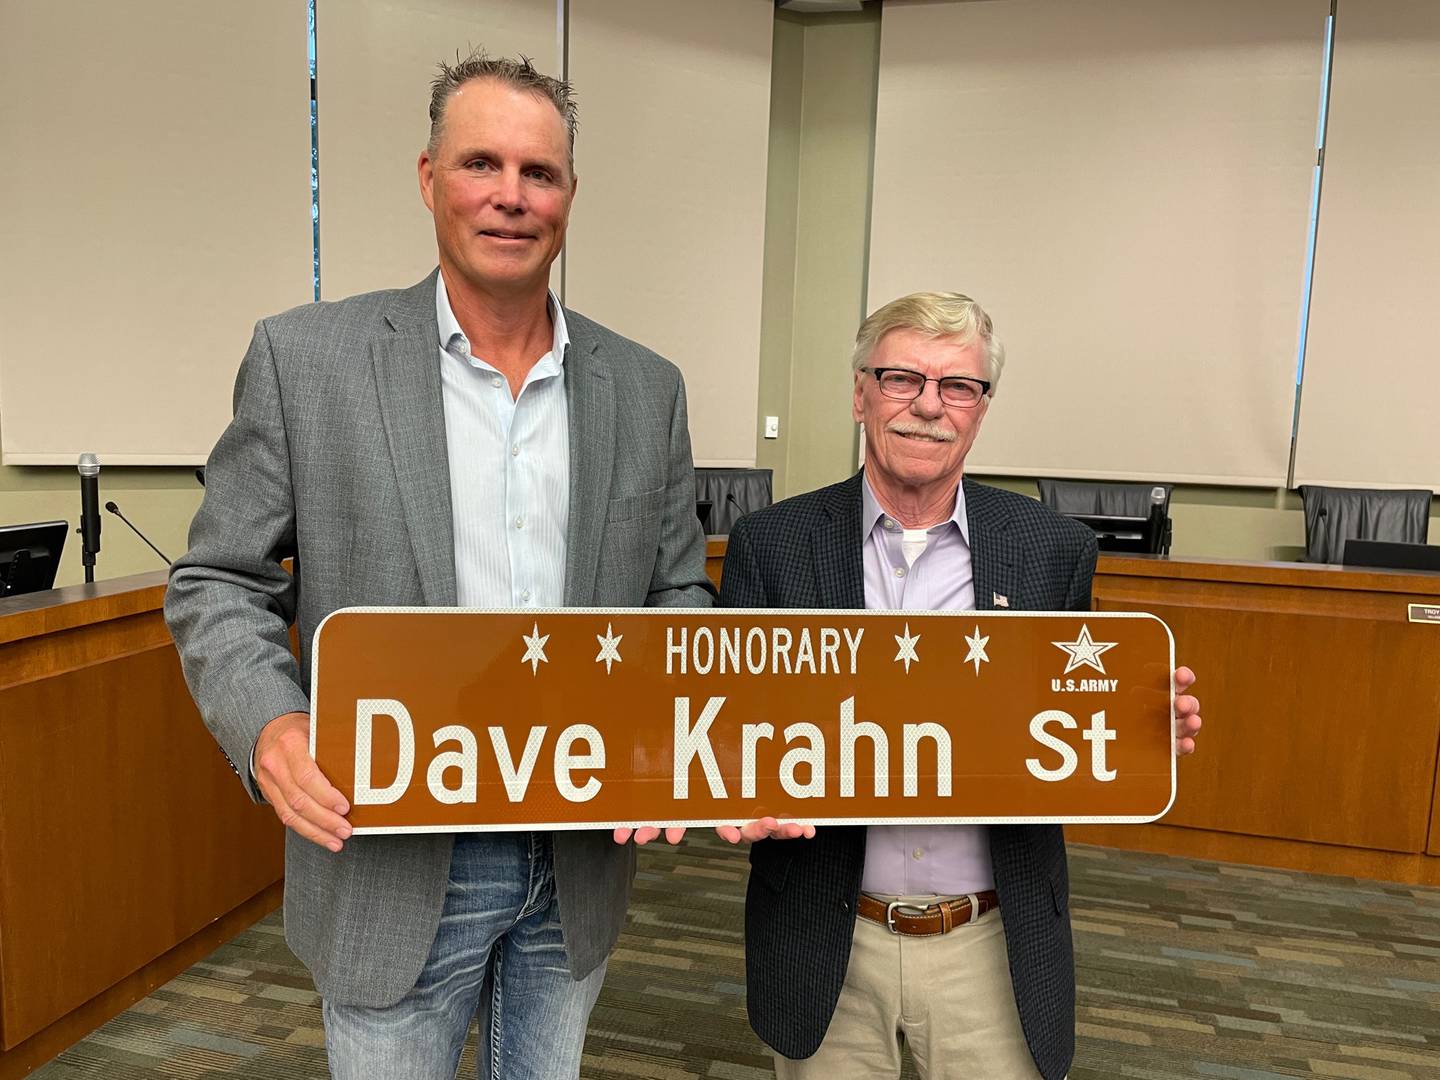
154,202
1368,408
1124,184
668,232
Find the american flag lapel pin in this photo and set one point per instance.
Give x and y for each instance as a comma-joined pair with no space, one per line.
1000,601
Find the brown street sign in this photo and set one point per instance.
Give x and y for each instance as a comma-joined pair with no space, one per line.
437,719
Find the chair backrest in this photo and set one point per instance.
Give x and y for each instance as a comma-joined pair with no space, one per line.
732,493
1111,500
1334,515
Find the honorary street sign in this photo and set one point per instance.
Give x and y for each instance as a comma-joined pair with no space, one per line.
442,719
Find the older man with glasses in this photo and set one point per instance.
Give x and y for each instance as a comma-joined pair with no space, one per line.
953,939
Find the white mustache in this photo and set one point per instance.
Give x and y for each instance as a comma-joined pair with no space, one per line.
928,430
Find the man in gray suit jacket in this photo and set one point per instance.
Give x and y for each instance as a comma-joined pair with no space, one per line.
465,441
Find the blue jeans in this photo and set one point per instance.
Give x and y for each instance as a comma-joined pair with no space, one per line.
498,953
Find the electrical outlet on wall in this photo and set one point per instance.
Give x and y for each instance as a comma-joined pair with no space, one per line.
772,427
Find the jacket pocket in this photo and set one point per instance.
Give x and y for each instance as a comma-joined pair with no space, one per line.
1060,895
770,862
646,504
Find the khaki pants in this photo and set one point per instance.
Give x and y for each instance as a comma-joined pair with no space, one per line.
948,997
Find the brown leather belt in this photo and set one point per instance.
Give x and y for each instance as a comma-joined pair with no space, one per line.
941,918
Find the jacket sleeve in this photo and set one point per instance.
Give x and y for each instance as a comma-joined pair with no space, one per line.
230,602
679,577
1078,596
741,584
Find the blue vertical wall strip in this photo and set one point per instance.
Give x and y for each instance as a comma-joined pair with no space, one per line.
562,36
1313,230
314,155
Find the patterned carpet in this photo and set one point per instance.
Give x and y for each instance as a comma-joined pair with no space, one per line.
1185,968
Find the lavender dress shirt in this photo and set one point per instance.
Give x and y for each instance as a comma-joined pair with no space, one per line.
914,860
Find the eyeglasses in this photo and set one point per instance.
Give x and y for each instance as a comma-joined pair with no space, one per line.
903,384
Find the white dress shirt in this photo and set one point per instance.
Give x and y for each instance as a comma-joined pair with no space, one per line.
915,860
509,463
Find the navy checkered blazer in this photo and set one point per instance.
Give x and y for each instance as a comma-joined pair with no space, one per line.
806,552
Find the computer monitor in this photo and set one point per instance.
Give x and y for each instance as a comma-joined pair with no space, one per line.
1134,535
1390,555
30,555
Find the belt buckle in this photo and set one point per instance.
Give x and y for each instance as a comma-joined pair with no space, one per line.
907,909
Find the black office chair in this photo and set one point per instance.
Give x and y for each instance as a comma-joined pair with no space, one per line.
732,493
1109,500
1334,515
1120,514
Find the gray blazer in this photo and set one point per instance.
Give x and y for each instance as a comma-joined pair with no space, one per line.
336,455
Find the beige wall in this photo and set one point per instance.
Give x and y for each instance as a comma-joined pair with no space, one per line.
816,231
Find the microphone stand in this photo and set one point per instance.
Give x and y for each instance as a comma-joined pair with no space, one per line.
89,514
114,509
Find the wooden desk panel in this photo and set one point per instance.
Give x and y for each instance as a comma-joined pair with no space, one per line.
1316,727
124,836
1321,700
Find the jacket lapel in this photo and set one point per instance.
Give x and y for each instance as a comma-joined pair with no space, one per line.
407,376
590,400
838,548
995,555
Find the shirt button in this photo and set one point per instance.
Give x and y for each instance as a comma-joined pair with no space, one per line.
515,451
889,524
917,853
525,595
495,380
899,571
519,522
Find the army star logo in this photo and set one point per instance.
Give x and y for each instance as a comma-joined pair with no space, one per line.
907,648
609,647
1084,651
535,649
977,650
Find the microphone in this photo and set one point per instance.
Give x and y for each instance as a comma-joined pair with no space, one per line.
1157,527
116,511
89,513
730,498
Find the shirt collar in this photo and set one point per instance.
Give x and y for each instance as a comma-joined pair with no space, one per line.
450,326
872,512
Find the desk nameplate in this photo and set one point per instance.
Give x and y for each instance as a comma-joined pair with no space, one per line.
1425,613
440,719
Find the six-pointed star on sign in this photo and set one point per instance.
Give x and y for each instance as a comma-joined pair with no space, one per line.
609,647
535,649
907,648
1084,651
977,650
